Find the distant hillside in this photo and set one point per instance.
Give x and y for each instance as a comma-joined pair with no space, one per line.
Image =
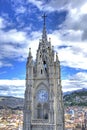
11,102
78,98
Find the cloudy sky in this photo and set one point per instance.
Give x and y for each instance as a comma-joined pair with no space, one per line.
21,27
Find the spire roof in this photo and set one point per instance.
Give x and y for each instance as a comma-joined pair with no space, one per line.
44,35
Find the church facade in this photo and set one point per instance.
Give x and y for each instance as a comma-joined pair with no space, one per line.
43,104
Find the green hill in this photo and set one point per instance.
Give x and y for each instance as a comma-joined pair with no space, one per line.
78,98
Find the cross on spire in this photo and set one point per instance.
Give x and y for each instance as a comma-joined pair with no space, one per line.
44,17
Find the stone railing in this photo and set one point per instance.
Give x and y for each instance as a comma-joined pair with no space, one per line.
40,121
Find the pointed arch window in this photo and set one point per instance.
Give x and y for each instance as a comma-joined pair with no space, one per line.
45,111
39,111
42,111
41,71
45,66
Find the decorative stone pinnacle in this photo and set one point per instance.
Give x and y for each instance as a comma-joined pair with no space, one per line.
57,59
29,52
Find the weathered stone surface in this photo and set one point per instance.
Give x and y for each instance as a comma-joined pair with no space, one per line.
43,106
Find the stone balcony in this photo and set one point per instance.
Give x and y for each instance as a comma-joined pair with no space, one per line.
40,121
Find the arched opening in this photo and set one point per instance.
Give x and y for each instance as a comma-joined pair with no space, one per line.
39,111
45,111
45,65
41,71
44,62
42,111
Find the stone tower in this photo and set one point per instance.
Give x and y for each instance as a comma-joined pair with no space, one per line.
43,105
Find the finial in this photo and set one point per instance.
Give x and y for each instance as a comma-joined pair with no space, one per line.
40,40
29,52
53,48
49,39
57,59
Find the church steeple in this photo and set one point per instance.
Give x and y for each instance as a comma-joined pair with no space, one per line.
44,34
43,105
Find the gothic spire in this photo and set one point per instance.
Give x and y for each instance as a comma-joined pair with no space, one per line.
29,59
44,35
30,52
57,59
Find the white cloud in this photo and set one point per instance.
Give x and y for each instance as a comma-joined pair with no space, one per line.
5,21
16,43
51,5
17,87
14,88
84,9
13,44
72,51
70,35
73,57
12,82
12,91
73,34
81,76
20,10
12,52
76,19
57,5
77,81
2,25
77,3
37,3
5,64
13,36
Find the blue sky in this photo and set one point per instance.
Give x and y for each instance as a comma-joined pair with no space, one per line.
21,27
